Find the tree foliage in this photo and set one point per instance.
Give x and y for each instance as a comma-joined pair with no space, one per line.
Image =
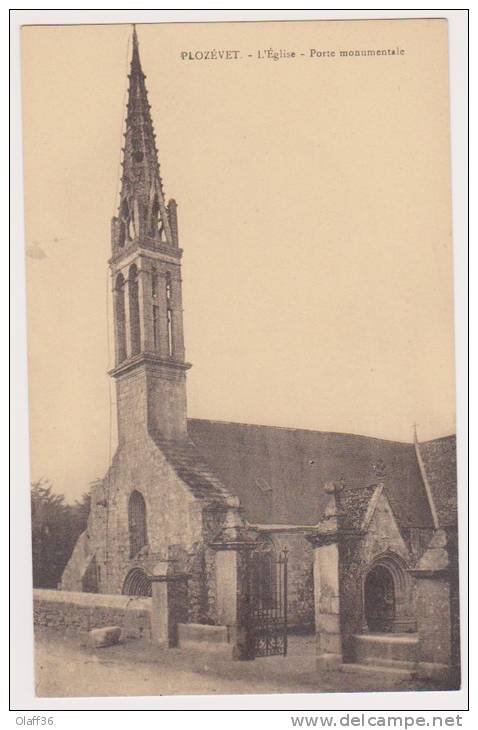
56,526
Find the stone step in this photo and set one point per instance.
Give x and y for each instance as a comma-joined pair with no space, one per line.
400,650
205,638
393,671
392,663
203,633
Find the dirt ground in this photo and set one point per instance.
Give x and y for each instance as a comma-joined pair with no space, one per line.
67,668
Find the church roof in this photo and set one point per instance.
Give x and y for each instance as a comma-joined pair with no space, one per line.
439,461
278,473
191,467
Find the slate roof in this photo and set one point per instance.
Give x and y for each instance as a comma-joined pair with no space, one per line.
439,461
354,504
191,467
278,473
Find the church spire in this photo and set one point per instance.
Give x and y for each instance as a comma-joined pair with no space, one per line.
143,214
146,282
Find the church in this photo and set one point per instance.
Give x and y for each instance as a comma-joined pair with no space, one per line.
274,530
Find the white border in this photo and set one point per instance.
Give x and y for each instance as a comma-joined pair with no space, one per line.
22,661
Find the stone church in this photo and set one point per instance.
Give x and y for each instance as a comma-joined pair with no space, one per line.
369,526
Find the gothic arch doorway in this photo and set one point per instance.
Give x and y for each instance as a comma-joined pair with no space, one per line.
137,583
388,595
379,599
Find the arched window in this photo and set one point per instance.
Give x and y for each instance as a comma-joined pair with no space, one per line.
120,319
134,310
138,536
137,583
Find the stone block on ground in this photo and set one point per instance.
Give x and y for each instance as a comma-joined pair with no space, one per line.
106,636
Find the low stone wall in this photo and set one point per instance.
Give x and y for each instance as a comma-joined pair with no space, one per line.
80,612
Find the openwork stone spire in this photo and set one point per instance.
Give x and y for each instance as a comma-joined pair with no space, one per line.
143,214
146,282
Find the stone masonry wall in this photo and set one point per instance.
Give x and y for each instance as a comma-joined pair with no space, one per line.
173,517
80,612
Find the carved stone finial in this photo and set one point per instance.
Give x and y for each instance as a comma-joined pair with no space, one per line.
334,487
380,468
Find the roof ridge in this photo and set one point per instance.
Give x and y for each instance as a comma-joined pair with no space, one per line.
304,430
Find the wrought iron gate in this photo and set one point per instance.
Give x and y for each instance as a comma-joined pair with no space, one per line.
266,602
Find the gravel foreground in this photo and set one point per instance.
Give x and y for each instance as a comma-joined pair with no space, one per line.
65,667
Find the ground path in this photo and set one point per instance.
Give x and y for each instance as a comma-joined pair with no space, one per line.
67,668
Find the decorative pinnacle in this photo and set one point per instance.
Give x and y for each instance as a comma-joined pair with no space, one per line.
380,468
135,56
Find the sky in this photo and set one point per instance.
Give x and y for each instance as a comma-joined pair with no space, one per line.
314,213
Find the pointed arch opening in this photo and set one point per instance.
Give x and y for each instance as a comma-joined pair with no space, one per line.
134,320
387,595
120,319
138,535
379,599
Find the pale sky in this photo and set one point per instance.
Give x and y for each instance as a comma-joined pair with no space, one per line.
314,214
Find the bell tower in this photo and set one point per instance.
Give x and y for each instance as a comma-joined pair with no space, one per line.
150,367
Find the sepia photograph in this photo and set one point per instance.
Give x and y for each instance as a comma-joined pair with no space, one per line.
241,359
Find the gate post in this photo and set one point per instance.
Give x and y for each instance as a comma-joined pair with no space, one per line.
326,584
232,547
438,619
169,594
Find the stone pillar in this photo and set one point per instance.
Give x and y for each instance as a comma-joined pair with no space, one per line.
177,317
232,547
327,602
437,612
169,593
326,584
